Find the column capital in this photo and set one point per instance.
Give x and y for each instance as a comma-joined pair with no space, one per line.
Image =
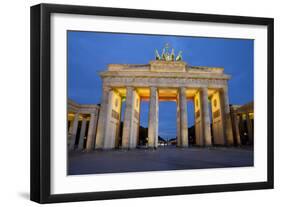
224,89
84,116
181,92
94,113
182,89
204,89
107,88
153,89
130,88
117,92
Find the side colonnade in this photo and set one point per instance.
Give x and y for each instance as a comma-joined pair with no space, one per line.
82,121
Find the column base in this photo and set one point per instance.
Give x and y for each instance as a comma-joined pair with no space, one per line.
88,150
152,148
128,148
182,146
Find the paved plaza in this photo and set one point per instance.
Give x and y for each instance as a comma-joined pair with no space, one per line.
164,158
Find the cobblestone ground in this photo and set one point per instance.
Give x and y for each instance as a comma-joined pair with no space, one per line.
164,158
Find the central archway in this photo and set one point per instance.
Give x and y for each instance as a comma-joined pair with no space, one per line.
167,131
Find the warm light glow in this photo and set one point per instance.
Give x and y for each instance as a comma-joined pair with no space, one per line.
211,92
251,115
165,94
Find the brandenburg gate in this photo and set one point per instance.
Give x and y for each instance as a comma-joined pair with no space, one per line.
168,78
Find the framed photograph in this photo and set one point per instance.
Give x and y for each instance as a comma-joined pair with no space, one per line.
133,103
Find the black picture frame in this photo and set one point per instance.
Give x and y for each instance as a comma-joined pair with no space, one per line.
41,96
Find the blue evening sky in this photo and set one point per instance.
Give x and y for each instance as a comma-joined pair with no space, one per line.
90,52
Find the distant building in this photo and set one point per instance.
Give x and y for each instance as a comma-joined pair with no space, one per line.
242,117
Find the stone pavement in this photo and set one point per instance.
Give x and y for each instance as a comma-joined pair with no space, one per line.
164,158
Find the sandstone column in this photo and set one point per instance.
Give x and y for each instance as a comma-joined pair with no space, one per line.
249,128
183,117
74,130
110,123
102,119
138,127
82,133
92,131
128,118
118,138
69,135
217,118
70,127
241,124
198,119
227,118
153,118
135,120
178,123
236,128
206,117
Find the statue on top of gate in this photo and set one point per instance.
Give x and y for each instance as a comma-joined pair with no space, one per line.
168,56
